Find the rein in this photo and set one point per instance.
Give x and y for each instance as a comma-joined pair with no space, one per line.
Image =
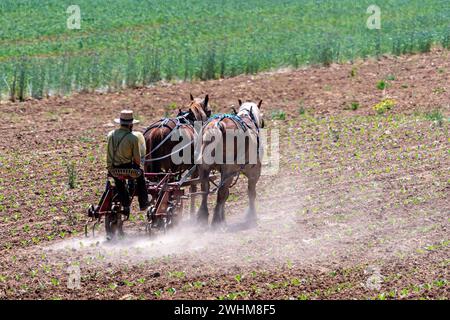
170,154
180,120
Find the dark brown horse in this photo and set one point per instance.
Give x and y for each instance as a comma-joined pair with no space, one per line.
231,159
158,137
160,147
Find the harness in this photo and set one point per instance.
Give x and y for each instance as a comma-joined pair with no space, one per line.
238,121
235,118
178,121
252,117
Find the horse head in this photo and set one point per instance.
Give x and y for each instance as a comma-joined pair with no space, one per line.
198,110
252,110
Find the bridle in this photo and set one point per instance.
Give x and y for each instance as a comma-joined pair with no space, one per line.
252,117
191,115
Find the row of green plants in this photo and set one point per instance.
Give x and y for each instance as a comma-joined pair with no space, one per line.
40,78
128,44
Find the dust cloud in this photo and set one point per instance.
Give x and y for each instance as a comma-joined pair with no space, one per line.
286,233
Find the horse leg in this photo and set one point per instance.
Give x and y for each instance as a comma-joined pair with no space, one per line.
192,190
202,214
253,175
222,196
251,212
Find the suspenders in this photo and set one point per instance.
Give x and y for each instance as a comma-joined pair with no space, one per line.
116,148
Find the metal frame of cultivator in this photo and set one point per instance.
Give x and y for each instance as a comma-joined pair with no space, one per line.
167,201
111,208
167,191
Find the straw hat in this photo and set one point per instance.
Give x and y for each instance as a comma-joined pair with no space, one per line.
126,117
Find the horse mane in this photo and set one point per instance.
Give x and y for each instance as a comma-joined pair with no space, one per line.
196,106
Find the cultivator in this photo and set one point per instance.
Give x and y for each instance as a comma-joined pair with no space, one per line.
167,192
167,201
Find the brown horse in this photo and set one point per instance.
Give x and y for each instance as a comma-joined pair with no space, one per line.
159,144
243,157
160,147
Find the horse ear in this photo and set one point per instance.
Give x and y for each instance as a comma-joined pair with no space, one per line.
234,110
205,102
240,102
259,104
192,97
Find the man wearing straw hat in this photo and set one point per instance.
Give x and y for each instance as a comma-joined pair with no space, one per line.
123,152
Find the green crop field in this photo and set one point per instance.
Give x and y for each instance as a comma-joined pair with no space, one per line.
128,43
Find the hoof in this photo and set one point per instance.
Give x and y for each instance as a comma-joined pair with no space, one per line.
202,217
251,220
217,224
251,223
222,228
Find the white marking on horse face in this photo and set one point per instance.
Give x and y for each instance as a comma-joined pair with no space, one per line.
251,108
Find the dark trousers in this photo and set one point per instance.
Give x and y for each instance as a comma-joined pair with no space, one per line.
141,188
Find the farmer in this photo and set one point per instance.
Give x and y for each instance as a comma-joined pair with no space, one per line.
124,151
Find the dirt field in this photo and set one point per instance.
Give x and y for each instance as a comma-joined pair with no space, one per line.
359,209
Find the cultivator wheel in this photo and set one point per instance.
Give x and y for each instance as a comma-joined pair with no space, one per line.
150,220
114,223
159,222
173,216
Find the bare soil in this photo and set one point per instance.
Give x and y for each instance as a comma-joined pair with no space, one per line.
358,210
